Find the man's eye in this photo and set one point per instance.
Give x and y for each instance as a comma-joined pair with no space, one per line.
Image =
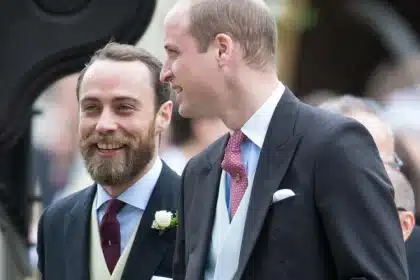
172,53
124,108
90,108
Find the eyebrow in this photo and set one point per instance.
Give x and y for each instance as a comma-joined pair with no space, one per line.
116,99
89,99
126,98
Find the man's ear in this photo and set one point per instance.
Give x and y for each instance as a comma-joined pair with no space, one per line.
407,221
225,48
163,117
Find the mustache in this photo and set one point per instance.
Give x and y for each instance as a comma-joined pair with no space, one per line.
106,139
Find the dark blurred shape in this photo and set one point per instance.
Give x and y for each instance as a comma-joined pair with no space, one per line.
181,128
412,246
13,254
62,7
351,38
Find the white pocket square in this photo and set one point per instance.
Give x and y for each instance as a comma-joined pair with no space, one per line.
282,194
160,278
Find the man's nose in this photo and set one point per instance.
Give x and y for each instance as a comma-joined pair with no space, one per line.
165,75
106,122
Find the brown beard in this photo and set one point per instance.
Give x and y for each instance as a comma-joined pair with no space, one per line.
135,156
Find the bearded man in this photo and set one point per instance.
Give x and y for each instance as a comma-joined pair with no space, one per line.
110,230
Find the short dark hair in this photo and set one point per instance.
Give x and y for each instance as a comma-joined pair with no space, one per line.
122,52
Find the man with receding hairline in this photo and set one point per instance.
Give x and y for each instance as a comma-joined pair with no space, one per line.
292,192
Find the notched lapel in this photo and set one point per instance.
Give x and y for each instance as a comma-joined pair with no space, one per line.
269,175
276,155
76,231
202,210
149,247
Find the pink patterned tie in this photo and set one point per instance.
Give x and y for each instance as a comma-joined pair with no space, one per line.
232,164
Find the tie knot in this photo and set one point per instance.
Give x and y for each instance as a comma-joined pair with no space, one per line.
114,206
235,140
232,161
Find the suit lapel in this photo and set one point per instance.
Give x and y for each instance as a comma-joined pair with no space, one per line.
149,246
204,205
277,152
76,231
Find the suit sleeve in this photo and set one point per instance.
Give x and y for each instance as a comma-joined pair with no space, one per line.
40,247
355,200
179,265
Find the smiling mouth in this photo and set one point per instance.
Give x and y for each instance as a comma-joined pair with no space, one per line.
105,146
177,89
109,149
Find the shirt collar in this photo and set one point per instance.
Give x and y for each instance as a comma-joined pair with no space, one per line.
256,127
138,194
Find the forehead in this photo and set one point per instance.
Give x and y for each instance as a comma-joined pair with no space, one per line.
177,21
105,78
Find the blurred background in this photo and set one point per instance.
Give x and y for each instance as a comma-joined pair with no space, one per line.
326,49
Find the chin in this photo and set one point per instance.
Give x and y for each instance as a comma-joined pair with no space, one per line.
192,112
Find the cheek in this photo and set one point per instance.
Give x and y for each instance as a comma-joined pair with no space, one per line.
86,126
184,66
138,127
177,68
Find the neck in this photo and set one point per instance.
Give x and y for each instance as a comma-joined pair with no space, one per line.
115,190
246,96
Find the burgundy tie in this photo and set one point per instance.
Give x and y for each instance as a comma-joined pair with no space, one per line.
110,233
233,164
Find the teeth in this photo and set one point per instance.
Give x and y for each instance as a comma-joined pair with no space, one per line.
104,146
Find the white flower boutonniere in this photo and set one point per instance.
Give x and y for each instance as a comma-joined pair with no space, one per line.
164,220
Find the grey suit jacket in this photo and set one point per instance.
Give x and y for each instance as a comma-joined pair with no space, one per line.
342,223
